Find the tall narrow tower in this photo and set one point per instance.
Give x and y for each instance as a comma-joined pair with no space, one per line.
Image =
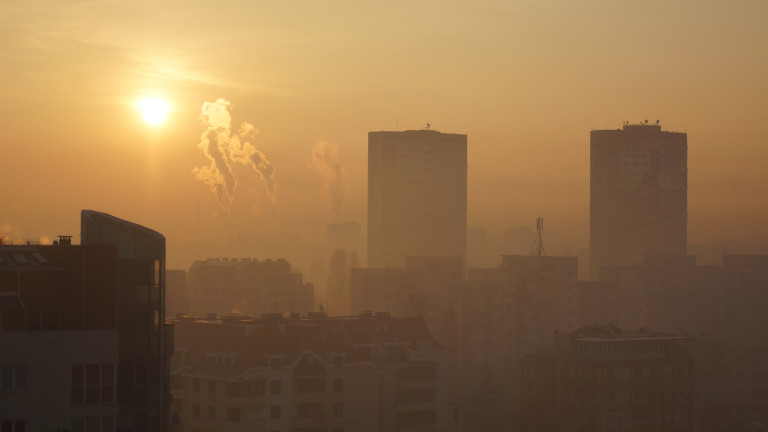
638,194
417,196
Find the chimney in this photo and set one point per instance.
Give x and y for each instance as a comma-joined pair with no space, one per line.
65,240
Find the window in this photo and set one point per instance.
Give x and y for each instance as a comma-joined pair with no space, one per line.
93,424
308,385
13,425
13,378
275,387
244,388
195,411
274,412
338,384
309,410
338,409
93,384
211,387
211,412
416,418
196,385
233,415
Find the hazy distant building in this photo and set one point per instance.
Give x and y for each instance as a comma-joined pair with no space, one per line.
352,374
344,248
601,378
505,313
638,194
176,292
417,196
83,344
248,286
425,288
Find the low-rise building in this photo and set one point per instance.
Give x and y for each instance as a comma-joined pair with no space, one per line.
367,373
602,379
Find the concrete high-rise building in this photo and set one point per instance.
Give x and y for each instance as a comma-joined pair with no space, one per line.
417,196
638,194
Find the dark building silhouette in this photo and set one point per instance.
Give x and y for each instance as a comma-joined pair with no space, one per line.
84,345
601,378
366,373
638,194
417,196
146,342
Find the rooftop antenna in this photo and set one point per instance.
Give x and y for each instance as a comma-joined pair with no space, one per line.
537,248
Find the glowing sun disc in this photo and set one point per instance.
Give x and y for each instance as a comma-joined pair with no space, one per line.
154,111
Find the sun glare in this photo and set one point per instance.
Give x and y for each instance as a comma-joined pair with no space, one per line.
153,110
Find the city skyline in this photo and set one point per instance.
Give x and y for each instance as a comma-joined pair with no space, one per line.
535,80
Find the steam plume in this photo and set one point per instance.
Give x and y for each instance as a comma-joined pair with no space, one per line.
223,148
324,160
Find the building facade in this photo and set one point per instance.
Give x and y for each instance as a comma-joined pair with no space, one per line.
638,194
319,374
417,196
602,379
82,338
247,286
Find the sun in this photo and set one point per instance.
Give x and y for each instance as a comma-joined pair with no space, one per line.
153,110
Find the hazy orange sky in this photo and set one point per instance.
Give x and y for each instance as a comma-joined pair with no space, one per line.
525,80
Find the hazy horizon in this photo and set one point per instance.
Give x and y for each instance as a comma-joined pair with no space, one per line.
526,81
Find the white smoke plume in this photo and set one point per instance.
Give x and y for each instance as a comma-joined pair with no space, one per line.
324,160
223,148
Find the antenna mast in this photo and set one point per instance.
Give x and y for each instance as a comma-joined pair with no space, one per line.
537,248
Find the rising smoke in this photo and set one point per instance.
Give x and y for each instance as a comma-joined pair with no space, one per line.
223,148
324,160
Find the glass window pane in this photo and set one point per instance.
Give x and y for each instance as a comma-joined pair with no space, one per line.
107,423
92,424
92,395
157,272
92,375
107,394
107,374
142,293
21,426
77,425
